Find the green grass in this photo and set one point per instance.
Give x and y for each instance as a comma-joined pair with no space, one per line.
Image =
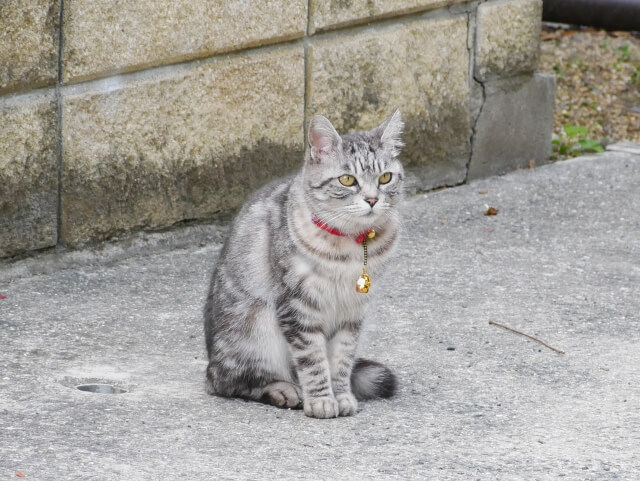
575,141
624,53
635,77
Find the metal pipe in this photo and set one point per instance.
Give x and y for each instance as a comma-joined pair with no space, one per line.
607,14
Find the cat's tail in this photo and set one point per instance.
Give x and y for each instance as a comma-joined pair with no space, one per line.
370,379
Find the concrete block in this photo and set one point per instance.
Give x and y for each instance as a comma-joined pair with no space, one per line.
514,125
28,43
28,172
420,67
328,14
115,36
507,38
184,144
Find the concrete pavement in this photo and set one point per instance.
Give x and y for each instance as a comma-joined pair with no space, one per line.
560,261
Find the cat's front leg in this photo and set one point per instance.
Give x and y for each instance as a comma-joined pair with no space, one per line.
341,351
309,352
314,375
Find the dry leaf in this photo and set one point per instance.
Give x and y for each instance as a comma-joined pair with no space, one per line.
491,211
483,191
532,164
19,474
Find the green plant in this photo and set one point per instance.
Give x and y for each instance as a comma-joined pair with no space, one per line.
624,53
635,77
578,63
575,140
557,68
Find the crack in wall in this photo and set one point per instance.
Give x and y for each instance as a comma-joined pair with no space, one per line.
474,123
59,140
477,97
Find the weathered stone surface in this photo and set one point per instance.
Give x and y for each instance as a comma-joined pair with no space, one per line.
185,145
28,43
421,67
117,36
507,38
514,126
28,173
327,14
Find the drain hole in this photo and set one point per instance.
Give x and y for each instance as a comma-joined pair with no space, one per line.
101,388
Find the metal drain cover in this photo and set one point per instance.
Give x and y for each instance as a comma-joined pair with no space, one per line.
101,388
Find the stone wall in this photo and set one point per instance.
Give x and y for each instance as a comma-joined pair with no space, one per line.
117,116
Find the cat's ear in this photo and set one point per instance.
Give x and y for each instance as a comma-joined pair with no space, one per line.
391,133
324,141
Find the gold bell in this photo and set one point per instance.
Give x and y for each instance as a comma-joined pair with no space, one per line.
371,234
363,282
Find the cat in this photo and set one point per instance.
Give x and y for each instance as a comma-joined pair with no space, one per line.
283,316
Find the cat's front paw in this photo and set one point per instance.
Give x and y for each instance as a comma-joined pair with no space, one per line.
347,404
321,407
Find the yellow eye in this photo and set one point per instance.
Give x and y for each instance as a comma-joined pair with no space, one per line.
385,178
347,180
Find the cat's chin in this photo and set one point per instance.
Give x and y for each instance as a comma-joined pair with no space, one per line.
366,220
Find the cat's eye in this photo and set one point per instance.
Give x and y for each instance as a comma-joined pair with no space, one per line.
347,180
385,178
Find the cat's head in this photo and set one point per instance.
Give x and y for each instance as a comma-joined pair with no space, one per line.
353,182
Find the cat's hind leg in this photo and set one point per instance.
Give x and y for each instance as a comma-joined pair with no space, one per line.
281,394
249,358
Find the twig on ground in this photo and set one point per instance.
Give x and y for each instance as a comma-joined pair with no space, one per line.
526,335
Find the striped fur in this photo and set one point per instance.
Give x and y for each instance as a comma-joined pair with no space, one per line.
282,317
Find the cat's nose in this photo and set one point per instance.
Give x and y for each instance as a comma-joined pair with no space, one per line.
372,201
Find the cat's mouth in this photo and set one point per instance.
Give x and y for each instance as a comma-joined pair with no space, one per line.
373,212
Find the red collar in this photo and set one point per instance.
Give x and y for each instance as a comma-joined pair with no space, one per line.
359,238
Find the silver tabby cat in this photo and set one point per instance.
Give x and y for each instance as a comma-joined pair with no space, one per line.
282,317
